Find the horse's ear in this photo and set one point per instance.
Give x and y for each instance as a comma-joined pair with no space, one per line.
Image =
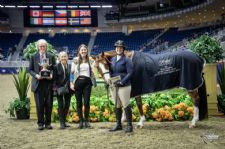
94,57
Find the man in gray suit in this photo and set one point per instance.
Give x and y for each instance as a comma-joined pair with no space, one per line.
42,86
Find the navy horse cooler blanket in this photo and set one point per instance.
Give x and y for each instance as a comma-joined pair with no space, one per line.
157,72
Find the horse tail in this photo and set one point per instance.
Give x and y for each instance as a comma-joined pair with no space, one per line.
203,108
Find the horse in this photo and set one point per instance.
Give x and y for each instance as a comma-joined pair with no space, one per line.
158,67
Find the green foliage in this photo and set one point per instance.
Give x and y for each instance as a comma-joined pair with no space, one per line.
102,108
31,49
21,82
208,48
18,104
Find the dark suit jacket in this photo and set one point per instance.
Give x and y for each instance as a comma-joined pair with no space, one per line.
34,68
59,80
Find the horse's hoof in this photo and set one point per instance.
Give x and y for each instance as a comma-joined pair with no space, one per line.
192,125
139,126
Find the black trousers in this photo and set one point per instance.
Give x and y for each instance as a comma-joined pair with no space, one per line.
63,106
83,90
44,101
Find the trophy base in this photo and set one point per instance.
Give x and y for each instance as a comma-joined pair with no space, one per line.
45,74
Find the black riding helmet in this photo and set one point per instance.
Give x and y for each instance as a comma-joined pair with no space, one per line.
120,43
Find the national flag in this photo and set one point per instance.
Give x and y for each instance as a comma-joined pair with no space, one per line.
85,21
48,14
85,13
60,13
35,13
73,21
36,21
60,21
74,13
48,21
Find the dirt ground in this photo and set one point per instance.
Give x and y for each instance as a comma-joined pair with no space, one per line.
24,134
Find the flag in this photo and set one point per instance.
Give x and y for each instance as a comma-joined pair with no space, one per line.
85,13
35,13
48,14
85,21
74,13
48,21
73,21
60,13
36,21
60,21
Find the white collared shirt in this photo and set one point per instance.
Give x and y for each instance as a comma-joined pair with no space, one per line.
118,57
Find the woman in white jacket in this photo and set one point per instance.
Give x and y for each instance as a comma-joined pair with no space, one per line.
81,81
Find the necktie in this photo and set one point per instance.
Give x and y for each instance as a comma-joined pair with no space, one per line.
42,58
65,71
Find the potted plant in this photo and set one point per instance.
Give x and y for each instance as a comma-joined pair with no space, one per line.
210,50
21,104
207,48
32,49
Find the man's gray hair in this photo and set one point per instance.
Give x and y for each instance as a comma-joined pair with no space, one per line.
41,41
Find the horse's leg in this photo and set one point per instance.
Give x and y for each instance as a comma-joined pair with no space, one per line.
195,98
142,116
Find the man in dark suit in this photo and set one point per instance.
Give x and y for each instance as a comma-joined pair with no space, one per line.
42,87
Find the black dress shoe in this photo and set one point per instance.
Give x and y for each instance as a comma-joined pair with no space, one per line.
48,127
40,127
80,125
62,126
118,127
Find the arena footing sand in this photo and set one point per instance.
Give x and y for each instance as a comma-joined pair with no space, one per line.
23,134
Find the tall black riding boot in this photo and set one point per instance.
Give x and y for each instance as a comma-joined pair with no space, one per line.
80,115
118,120
61,118
86,115
128,112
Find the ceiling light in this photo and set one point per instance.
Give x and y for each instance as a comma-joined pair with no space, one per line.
72,6
106,6
10,6
83,6
34,6
95,6
60,6
47,6
21,6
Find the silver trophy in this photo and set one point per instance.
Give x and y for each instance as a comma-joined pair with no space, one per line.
45,73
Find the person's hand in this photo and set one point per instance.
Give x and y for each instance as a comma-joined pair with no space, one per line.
38,77
118,84
106,85
72,86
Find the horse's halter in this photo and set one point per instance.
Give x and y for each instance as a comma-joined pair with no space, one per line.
105,73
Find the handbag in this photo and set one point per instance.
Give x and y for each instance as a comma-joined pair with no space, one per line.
63,90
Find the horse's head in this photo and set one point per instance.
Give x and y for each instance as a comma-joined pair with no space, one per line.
102,62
